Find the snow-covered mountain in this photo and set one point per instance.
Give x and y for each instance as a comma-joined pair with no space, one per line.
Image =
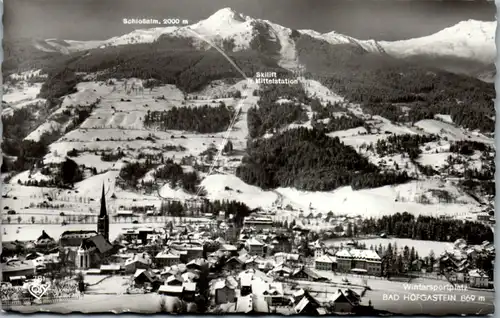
472,40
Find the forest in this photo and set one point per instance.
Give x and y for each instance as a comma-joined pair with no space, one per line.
204,119
169,171
176,176
399,144
406,225
307,159
268,117
467,147
278,106
377,81
337,123
237,209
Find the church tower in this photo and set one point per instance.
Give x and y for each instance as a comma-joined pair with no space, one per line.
103,220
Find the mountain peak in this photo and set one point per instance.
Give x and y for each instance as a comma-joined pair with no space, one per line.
225,15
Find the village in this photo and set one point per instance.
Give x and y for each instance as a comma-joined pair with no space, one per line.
212,266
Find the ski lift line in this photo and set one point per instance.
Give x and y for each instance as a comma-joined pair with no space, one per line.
235,117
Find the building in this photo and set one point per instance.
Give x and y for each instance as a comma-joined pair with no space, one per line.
44,241
254,247
478,279
103,220
191,251
318,249
16,269
359,261
325,263
483,217
345,302
224,292
163,259
281,244
75,238
138,261
305,304
259,223
90,252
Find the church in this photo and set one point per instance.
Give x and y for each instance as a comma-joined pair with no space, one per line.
88,249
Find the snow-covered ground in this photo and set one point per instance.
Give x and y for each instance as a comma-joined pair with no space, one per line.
21,93
450,131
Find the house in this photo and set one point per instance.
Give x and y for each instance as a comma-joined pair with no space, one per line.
281,270
174,280
251,304
344,302
189,277
254,247
192,251
167,259
110,269
287,258
234,263
307,274
139,235
325,263
478,279
188,291
16,267
145,278
318,248
281,244
245,283
305,304
197,264
228,248
224,292
483,217
171,290
138,261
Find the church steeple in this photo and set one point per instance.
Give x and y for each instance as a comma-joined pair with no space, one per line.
103,204
103,220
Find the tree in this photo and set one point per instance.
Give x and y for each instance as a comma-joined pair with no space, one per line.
432,259
70,172
349,231
228,148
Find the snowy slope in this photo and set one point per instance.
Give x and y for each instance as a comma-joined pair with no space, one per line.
474,40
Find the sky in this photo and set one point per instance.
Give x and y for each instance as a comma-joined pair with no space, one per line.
363,19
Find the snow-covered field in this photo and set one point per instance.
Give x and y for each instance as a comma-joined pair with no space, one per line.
116,123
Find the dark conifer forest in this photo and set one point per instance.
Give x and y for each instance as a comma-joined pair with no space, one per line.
204,119
307,159
405,225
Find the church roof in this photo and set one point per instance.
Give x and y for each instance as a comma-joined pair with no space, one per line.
44,236
99,242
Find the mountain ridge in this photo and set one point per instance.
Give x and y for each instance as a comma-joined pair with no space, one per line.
471,40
